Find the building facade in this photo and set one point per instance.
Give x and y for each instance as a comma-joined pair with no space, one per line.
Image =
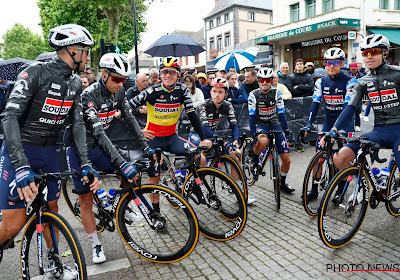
307,28
232,22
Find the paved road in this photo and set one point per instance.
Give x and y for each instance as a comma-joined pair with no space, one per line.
274,245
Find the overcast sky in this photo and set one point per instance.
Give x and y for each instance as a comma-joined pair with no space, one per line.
162,17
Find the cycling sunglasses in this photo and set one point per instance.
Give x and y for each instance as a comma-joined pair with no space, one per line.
172,72
117,79
371,52
264,80
83,49
332,62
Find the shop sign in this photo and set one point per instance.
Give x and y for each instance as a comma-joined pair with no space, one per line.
309,28
320,41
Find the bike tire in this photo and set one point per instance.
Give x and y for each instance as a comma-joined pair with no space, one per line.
338,224
276,178
69,258
167,246
312,207
73,204
228,163
247,160
393,206
225,216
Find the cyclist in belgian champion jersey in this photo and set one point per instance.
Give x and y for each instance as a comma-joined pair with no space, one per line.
164,103
101,101
43,96
335,89
381,85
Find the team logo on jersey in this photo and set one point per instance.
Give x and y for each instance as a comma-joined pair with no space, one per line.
333,100
24,75
167,108
106,118
386,96
267,111
56,107
90,104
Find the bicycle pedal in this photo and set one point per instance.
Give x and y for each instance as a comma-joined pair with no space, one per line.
263,173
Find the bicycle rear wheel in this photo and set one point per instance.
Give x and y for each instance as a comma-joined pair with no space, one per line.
229,166
319,172
393,206
219,204
247,161
180,232
339,223
65,261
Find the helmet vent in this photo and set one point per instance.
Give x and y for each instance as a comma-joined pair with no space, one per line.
117,63
60,37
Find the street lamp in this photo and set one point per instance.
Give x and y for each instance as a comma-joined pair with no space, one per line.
133,8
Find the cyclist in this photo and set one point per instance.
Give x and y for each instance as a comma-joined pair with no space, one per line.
43,95
211,113
164,103
101,101
381,85
336,90
266,110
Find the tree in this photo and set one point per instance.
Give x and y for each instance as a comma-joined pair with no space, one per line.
21,42
111,20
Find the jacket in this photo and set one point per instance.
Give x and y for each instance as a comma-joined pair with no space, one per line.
304,83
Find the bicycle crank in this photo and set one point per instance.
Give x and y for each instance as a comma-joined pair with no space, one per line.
374,200
214,202
105,220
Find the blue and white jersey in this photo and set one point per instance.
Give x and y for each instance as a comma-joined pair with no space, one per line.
266,107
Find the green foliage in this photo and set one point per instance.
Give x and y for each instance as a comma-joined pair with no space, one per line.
111,20
21,42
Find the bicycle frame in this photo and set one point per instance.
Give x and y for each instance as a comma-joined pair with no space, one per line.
268,155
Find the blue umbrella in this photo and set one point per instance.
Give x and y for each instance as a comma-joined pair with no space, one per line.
9,68
235,58
177,45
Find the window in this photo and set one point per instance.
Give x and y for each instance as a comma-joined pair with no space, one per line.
227,39
187,60
226,17
328,6
219,42
212,44
251,16
397,4
310,8
211,24
218,21
384,4
294,12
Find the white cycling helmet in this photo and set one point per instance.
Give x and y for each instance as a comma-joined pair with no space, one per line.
116,63
69,34
335,53
375,41
265,73
219,82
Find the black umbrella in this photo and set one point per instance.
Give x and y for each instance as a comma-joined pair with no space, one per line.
174,45
9,68
46,56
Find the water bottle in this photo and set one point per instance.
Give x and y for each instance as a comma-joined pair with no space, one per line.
385,172
178,175
183,175
378,176
112,193
261,157
102,194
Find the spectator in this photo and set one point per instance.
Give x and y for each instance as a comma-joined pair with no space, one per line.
360,68
202,78
141,112
207,88
196,93
90,73
4,84
300,83
250,82
85,82
283,89
232,70
355,73
222,74
235,95
284,68
193,72
240,79
153,77
310,68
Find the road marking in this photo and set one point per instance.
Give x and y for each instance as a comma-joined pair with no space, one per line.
108,266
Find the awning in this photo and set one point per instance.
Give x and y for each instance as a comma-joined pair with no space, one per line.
393,35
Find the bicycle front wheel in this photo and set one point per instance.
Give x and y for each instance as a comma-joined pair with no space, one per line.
180,232
218,202
229,166
247,161
65,260
342,208
318,175
276,177
393,205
